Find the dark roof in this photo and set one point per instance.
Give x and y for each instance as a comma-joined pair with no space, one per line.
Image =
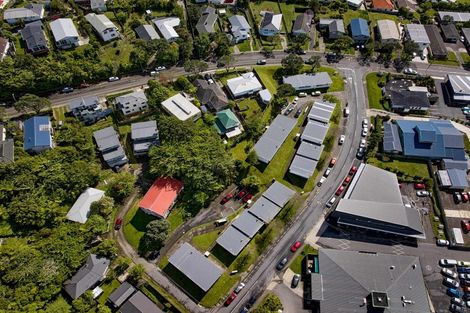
278,194
405,99
248,224
206,22
303,21
397,85
450,31
33,35
267,19
233,240
391,140
211,95
144,130
7,151
139,303
87,276
121,294
147,32
437,45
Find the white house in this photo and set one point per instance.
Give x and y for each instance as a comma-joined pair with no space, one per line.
95,5
271,24
244,85
132,103
240,28
103,26
80,210
180,107
166,27
30,13
418,34
4,47
65,34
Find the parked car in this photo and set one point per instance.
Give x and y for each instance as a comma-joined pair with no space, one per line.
447,262
449,273
330,203
353,170
327,172
419,186
295,280
118,223
442,242
457,197
261,62
465,282
364,132
449,282
346,112
244,310
113,79
230,299
453,292
363,143
66,90
289,111
332,162
247,198
241,194
321,181
295,246
298,112
226,198
464,276
342,138
280,265
239,287
422,193
456,309
410,71
462,269
251,301
346,181
456,301
463,263
465,226
464,197
302,94
316,93
360,153
339,191
160,68
365,123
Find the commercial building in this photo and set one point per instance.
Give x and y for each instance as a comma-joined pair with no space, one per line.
30,13
161,196
359,30
180,107
103,26
437,47
388,31
270,24
455,179
305,81
37,134
132,103
245,85
107,141
405,97
458,88
81,209
418,34
65,34
166,27
144,135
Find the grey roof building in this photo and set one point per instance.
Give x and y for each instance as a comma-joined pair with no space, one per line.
211,95
144,135
274,137
388,31
278,194
265,209
139,303
35,38
437,46
110,147
248,224
457,17
195,266
30,13
373,201
205,24
240,28
450,33
305,81
7,151
364,282
453,178
146,32
391,140
302,23
321,111
310,150
88,276
405,101
302,166
418,34
233,240
315,132
121,294
88,109
65,33
334,27
458,87
132,103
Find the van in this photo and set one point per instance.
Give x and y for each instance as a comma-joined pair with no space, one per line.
302,94
330,203
346,112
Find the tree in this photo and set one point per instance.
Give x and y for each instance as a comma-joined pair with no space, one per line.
84,303
252,158
136,273
155,235
34,210
195,66
202,46
314,62
121,186
184,83
222,44
30,102
227,61
104,206
315,6
342,44
253,128
292,64
107,248
271,303
252,183
277,103
157,93
285,90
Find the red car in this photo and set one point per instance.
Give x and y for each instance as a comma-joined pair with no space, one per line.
465,225
295,246
247,198
118,223
420,186
230,298
346,181
332,162
339,191
352,170
226,198
464,197
241,194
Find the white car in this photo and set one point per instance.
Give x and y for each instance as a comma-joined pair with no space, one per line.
457,301
113,79
364,132
464,276
316,93
422,193
327,172
330,203
451,283
462,38
442,242
365,123
341,139
463,263
239,287
447,262
160,68
447,272
410,71
363,143
321,181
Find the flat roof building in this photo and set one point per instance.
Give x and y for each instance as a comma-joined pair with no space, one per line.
144,135
315,132
321,111
233,240
453,179
458,87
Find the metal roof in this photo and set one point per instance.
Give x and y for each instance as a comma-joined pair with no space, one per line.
308,81
303,21
139,303
458,178
456,16
239,22
63,28
391,140
458,164
274,137
80,210
271,20
83,102
437,45
460,85
233,240
244,84
29,11
34,36
194,265
100,22
206,22
106,138
302,166
278,194
310,150
37,132
388,30
181,107
147,32
359,27
466,33
121,294
248,224
315,132
321,111
417,33
144,130
265,95
265,210
450,31
166,26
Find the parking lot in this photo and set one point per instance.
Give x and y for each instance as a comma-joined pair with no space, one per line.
442,107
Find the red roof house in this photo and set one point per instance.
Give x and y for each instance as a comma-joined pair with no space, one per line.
383,5
161,196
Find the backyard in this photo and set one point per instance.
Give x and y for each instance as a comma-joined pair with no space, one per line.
411,168
374,93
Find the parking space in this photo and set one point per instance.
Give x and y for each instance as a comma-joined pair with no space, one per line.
456,211
295,107
442,107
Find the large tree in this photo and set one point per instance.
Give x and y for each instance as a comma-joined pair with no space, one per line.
29,102
292,64
155,235
342,44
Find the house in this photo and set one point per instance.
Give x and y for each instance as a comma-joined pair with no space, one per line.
121,294
7,147
205,24
94,5
87,277
80,211
103,26
437,46
365,281
146,32
265,96
418,34
65,34
37,134
334,27
387,31
373,202
30,13
180,107
132,103
227,123
107,141
455,17
239,27
466,36
355,3
458,88
166,27
428,140
306,81
359,30
139,303
302,23
4,47
88,109
144,135
405,97
245,85
3,3
161,196
211,95
35,38
270,24
383,5
450,33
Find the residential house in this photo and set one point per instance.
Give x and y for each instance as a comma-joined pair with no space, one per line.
239,27
88,276
383,5
205,24
180,107
306,81
30,13
132,103
359,30
466,36
458,89
107,141
265,96
334,27
139,303
3,3
161,196
81,209
4,47
245,85
418,34
103,26
302,23
35,38
166,27
387,31
146,32
94,5
270,24
454,17
65,34
7,147
437,46
450,33
227,124
404,97
88,109
355,3
121,294
211,95
37,134
144,135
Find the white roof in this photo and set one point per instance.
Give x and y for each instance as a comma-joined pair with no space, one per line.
355,2
244,83
29,11
388,29
417,33
81,208
265,95
461,86
166,26
100,22
180,107
63,28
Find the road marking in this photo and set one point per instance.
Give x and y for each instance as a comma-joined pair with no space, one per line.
438,77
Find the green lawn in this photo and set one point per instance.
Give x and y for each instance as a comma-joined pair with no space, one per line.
244,46
374,17
175,218
290,12
108,288
238,152
59,113
266,73
249,107
134,224
338,82
411,168
374,93
119,55
451,60
465,57
296,265
204,241
257,7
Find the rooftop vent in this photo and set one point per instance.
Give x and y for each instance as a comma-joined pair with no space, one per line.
379,300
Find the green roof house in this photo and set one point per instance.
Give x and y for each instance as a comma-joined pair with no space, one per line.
227,123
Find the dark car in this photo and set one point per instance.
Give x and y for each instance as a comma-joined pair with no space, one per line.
251,301
288,111
281,264
297,114
295,281
66,90
118,223
244,310
247,198
226,198
230,299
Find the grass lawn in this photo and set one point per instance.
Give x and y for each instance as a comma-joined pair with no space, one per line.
107,290
244,46
59,113
116,55
465,57
338,82
374,17
257,7
266,73
374,93
451,60
204,241
296,265
238,151
249,107
290,12
134,224
411,168
175,218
